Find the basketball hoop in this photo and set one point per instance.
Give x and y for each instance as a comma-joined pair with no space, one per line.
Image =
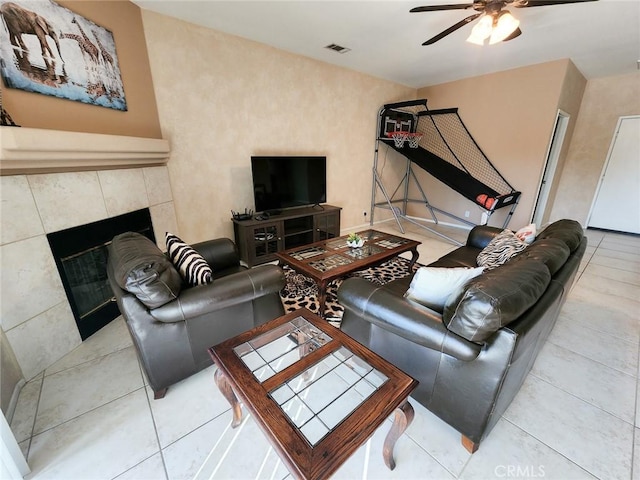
414,139
398,138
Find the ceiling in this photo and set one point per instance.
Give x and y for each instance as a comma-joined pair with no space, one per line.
602,38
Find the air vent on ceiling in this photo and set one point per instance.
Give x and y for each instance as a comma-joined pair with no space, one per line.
338,48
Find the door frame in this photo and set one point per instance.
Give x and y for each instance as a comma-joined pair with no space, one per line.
556,143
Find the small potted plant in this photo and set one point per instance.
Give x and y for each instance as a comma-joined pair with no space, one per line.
354,240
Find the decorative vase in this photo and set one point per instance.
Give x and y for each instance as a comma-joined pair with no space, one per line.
356,243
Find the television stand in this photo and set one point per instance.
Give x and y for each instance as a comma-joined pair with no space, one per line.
259,240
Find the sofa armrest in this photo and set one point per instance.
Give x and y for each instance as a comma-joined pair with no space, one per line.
481,235
224,292
416,323
220,253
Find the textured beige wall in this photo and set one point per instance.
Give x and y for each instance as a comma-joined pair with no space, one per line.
605,100
222,99
511,116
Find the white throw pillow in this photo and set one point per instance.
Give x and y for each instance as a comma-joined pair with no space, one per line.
527,234
431,286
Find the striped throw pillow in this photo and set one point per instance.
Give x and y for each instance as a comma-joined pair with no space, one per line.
192,267
499,250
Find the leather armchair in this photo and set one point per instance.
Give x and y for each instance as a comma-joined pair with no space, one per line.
174,328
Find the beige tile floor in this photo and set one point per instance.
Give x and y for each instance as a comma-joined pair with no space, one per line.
91,416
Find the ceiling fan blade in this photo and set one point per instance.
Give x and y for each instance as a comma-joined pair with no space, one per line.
544,3
435,8
516,33
452,29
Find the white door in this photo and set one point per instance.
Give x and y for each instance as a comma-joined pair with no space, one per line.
617,202
553,154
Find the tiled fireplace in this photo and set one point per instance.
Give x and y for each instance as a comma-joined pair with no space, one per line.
36,317
81,255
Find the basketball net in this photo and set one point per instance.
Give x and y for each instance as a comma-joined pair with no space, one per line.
400,137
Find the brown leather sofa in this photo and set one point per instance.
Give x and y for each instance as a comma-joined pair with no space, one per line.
172,325
472,357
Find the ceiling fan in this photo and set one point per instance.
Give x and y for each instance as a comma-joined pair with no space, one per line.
495,22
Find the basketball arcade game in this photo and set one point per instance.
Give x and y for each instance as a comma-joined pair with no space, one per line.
438,142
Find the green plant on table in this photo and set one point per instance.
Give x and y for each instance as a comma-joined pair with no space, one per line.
354,240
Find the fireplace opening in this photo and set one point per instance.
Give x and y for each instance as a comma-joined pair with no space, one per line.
81,256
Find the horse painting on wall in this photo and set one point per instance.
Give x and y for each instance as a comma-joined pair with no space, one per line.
49,49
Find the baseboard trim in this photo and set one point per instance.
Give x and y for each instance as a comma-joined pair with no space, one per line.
446,224
344,231
13,402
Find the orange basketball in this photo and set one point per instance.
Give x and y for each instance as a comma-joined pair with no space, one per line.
485,200
489,203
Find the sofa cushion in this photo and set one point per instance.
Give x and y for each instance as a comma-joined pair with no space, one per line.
569,231
495,298
142,269
500,250
192,266
553,252
432,286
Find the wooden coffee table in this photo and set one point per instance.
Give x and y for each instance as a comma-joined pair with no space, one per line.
328,260
316,393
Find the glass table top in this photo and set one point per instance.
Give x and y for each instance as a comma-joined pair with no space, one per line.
272,352
330,262
308,252
366,250
321,397
336,253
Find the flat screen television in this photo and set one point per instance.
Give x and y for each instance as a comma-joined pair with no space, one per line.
281,182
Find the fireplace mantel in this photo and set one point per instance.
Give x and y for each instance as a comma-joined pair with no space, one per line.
35,150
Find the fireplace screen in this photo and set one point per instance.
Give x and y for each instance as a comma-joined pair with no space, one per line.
81,257
87,279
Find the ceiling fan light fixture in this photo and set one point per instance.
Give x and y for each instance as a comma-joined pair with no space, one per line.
505,25
482,30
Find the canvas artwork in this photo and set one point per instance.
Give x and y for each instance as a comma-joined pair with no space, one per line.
49,49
